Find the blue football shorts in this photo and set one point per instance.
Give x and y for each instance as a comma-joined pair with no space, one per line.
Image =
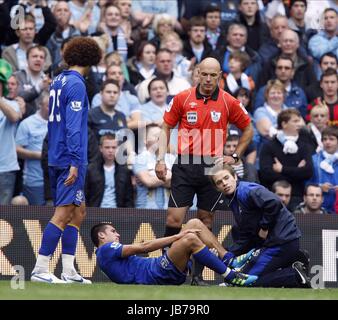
65,195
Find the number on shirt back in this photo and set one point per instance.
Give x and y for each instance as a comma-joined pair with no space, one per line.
56,102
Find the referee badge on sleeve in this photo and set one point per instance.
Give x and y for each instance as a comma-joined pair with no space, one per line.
215,116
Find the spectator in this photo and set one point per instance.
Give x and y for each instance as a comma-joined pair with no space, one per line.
270,48
108,183
10,114
43,19
153,110
327,60
164,69
63,30
214,34
151,192
134,31
127,103
237,37
32,81
142,66
97,73
289,46
182,66
250,154
282,189
106,119
258,31
329,85
110,24
265,117
313,200
245,97
163,23
85,16
241,166
29,138
34,8
326,40
114,58
196,47
295,96
297,9
193,8
325,165
319,118
236,78
13,93
287,157
16,54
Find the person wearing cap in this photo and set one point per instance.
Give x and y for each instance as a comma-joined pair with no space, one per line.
10,114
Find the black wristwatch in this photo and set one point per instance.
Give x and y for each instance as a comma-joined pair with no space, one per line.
235,157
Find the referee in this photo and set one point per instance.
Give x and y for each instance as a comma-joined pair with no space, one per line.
202,114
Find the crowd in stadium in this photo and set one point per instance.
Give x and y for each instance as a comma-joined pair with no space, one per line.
278,57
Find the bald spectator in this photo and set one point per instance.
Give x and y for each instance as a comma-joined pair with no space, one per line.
63,30
164,69
289,45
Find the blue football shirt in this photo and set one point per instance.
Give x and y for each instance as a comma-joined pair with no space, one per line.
67,123
136,270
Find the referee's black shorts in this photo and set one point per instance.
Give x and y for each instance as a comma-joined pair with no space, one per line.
189,179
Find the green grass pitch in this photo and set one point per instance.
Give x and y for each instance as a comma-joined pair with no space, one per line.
110,291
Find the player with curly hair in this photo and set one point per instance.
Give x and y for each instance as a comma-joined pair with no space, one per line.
67,160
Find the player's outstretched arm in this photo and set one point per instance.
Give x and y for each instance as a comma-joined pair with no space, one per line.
152,245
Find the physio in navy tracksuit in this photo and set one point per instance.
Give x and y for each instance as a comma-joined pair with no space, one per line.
264,223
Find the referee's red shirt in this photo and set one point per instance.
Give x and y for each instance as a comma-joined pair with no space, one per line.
203,121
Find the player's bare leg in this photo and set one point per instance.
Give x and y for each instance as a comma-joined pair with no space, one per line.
191,244
174,221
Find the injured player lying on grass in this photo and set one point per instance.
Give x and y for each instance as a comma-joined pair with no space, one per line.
120,263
